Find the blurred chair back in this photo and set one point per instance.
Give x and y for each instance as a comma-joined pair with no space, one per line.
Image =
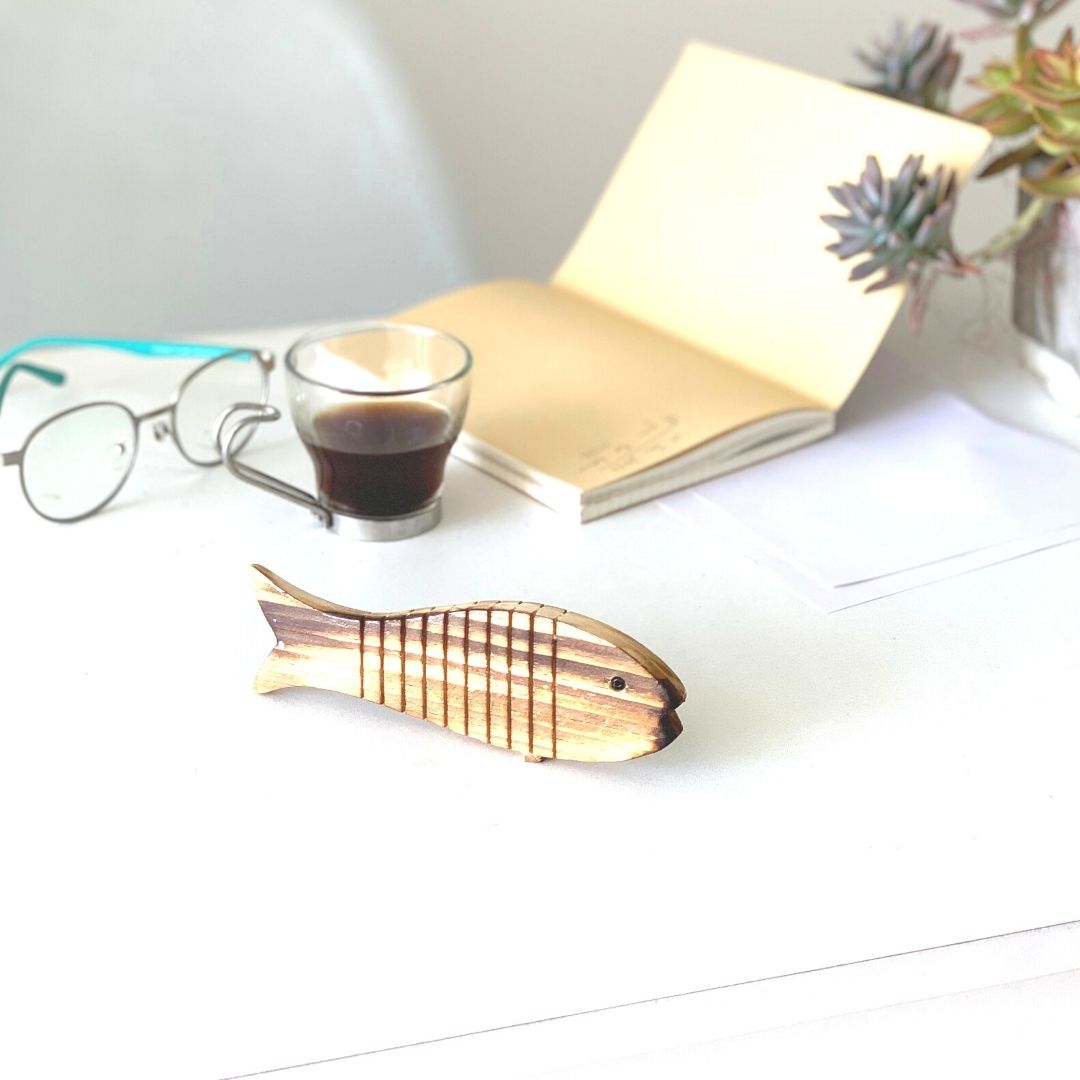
172,168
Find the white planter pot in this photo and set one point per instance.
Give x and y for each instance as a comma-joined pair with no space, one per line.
1046,300
1058,376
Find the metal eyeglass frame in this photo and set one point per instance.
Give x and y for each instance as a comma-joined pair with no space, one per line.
153,349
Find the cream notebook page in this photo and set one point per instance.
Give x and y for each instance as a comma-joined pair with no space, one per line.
710,228
699,297
587,396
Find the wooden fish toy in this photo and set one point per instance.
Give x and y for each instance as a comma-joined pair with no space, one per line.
536,679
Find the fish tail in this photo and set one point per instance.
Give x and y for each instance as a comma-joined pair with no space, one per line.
317,644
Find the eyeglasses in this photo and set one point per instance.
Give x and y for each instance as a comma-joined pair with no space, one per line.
75,463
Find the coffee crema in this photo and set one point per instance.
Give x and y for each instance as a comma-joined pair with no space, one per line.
380,458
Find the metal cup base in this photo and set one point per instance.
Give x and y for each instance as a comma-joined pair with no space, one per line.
390,528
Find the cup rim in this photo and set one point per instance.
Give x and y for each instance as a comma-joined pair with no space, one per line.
322,333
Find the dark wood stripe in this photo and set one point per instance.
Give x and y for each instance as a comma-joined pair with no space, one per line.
634,683
301,626
531,655
610,664
413,631
509,679
401,641
445,672
382,661
363,627
423,662
524,607
520,679
554,679
487,677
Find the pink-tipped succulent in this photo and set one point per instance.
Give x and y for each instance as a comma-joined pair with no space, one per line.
902,224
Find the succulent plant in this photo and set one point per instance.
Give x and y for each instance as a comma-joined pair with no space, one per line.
902,224
919,67
1017,12
1042,97
1004,112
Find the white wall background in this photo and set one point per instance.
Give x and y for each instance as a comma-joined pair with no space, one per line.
177,165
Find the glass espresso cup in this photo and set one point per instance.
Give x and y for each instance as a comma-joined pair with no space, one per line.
378,407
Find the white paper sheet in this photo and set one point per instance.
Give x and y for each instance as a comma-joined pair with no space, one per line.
915,486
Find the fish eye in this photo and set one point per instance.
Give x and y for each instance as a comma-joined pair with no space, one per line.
618,682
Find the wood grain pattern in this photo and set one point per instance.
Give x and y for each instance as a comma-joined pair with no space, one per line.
531,678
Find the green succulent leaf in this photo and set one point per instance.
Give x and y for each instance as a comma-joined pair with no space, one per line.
1060,124
995,76
1050,98
1002,114
1009,124
1064,185
1011,159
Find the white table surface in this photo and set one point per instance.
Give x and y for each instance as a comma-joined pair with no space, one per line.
202,882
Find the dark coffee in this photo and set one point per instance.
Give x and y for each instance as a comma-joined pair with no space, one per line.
380,458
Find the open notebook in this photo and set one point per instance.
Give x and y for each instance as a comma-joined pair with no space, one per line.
698,324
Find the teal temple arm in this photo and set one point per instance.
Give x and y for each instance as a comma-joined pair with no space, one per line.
154,349
57,378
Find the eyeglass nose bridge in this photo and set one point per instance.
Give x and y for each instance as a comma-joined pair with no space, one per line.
14,458
163,418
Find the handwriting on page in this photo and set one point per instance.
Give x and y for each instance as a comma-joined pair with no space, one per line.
654,439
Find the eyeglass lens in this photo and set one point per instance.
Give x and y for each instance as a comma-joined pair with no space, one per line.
79,460
214,389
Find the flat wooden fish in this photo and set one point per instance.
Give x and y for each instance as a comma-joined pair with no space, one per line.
532,678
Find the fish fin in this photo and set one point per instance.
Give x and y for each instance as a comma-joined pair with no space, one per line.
314,647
